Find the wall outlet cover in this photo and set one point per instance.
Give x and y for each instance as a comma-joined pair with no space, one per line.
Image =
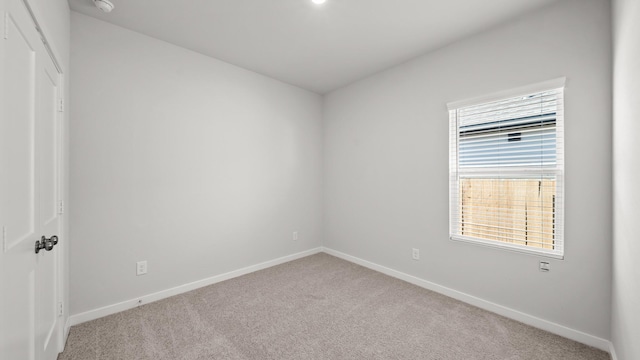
545,266
141,268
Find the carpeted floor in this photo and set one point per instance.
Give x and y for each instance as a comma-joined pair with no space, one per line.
318,307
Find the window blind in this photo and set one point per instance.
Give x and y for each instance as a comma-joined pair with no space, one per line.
507,171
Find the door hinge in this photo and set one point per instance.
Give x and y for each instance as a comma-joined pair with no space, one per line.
61,105
60,309
6,25
60,207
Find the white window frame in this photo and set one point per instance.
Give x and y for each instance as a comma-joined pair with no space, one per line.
454,178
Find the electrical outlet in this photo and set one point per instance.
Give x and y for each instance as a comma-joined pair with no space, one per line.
141,267
415,254
295,236
545,266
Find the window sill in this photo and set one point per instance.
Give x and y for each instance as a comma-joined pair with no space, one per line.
509,247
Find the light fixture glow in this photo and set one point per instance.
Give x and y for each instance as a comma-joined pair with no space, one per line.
318,1
104,5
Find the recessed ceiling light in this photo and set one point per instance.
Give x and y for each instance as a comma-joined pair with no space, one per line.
104,5
318,1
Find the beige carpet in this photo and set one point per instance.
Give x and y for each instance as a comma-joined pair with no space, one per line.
319,307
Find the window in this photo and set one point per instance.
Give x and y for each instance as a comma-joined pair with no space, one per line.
507,168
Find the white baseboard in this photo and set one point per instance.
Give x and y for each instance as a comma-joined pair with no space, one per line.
65,335
546,325
130,304
612,351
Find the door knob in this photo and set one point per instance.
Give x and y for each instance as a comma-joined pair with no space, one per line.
46,244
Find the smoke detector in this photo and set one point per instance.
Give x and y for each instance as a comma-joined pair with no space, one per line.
104,5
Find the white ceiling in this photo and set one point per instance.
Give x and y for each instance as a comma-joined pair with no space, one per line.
316,47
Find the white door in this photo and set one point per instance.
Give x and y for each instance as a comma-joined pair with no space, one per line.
29,166
48,150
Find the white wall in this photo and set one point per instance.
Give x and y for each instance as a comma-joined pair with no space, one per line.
195,165
626,177
386,164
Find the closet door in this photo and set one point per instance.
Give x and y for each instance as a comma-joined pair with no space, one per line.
29,191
